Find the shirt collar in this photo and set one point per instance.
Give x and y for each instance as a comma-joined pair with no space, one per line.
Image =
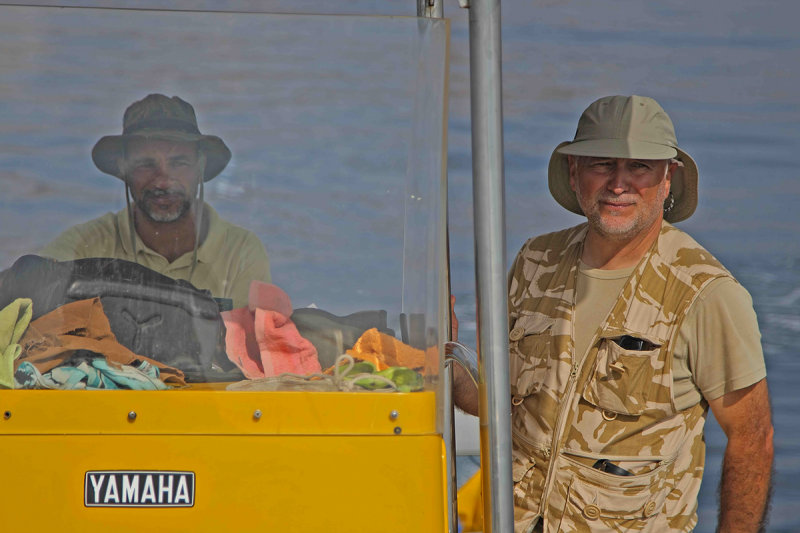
205,253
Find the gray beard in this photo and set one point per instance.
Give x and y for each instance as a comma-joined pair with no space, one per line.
156,215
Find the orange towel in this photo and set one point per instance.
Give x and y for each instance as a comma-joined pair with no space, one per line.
384,351
261,339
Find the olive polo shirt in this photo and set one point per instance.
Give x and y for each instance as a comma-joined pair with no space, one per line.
229,258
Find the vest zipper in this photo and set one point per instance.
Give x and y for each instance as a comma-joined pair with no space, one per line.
569,399
561,420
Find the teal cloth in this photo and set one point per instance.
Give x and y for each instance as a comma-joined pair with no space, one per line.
14,320
94,374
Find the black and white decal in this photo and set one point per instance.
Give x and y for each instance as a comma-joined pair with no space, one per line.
138,488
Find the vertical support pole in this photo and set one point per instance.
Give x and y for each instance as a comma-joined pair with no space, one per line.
490,271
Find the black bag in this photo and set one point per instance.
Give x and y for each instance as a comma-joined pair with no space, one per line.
153,315
331,334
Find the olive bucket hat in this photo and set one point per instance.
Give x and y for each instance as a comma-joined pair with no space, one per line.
160,117
631,127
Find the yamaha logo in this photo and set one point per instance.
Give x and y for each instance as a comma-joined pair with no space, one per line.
138,488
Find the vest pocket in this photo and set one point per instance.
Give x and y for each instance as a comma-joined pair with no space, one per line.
600,502
628,382
529,347
521,466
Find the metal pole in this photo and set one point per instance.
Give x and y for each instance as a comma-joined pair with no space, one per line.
490,271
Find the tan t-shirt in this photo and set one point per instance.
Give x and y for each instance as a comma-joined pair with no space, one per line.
229,258
718,349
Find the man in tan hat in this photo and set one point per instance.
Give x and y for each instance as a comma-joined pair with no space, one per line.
623,332
164,161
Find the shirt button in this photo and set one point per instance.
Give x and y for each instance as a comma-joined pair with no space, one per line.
649,509
516,334
591,512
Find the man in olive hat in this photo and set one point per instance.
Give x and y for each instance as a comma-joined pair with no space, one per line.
623,332
164,161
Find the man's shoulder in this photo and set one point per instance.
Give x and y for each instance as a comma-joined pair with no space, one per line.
544,253
105,222
228,239
230,231
554,241
86,239
682,253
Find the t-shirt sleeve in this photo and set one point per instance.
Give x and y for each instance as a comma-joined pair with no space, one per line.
66,247
95,238
723,339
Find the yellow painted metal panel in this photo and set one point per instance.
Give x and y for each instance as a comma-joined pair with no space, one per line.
243,483
216,413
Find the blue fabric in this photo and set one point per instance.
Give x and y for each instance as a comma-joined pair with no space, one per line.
94,374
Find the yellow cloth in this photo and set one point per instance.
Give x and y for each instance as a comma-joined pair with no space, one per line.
229,258
14,320
470,504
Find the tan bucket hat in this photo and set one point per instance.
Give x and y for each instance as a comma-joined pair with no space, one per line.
632,127
160,117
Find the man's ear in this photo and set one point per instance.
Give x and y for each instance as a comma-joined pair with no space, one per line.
671,167
201,164
122,169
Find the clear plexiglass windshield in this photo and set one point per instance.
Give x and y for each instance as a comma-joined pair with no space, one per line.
231,198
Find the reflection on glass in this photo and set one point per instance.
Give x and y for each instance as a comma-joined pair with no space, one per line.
139,260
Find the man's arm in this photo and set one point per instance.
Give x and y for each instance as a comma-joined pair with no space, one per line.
465,393
745,417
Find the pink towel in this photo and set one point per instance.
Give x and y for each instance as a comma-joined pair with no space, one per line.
268,296
262,340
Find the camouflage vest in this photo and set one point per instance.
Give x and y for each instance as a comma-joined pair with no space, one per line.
568,411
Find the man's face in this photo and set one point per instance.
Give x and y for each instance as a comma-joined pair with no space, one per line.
163,177
621,197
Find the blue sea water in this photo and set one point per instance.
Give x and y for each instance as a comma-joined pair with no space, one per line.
726,72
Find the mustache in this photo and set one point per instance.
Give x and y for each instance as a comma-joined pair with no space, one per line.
617,199
157,193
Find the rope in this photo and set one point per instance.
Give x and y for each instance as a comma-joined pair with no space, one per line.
131,225
199,223
339,381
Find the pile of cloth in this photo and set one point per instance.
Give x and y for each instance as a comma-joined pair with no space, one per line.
265,343
73,347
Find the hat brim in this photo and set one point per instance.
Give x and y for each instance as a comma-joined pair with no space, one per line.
684,179
109,150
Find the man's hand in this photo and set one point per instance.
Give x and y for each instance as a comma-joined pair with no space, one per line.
465,395
744,491
453,320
